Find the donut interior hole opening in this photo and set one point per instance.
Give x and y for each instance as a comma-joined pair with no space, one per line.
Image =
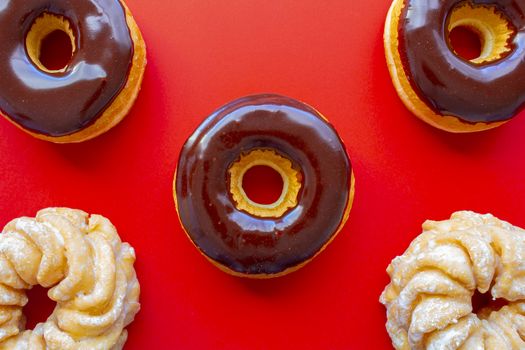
479,33
50,43
262,184
483,304
39,306
56,51
290,176
465,42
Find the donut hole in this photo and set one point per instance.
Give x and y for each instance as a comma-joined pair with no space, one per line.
483,304
479,34
39,306
262,184
50,43
465,42
56,51
250,173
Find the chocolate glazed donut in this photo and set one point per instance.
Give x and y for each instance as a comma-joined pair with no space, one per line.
101,80
254,240
456,94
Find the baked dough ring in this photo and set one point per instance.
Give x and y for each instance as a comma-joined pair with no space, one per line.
438,85
428,300
97,87
91,274
254,240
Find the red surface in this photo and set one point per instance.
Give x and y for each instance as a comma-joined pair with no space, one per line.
262,184
329,54
56,50
465,42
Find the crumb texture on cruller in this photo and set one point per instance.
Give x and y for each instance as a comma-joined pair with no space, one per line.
429,299
90,272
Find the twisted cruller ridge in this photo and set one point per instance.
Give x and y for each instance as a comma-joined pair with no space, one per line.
91,274
429,298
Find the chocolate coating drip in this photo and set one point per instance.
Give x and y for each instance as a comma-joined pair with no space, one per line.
487,92
58,104
236,239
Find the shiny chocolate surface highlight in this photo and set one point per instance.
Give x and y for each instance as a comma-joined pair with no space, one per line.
58,104
450,85
235,239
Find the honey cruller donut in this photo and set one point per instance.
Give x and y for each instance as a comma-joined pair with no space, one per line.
428,300
90,272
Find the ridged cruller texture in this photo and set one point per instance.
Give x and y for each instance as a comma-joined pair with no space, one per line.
429,302
91,274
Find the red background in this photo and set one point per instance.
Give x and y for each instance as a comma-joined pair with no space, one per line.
203,54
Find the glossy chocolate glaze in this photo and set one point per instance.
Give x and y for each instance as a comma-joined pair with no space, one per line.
58,104
487,92
236,239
